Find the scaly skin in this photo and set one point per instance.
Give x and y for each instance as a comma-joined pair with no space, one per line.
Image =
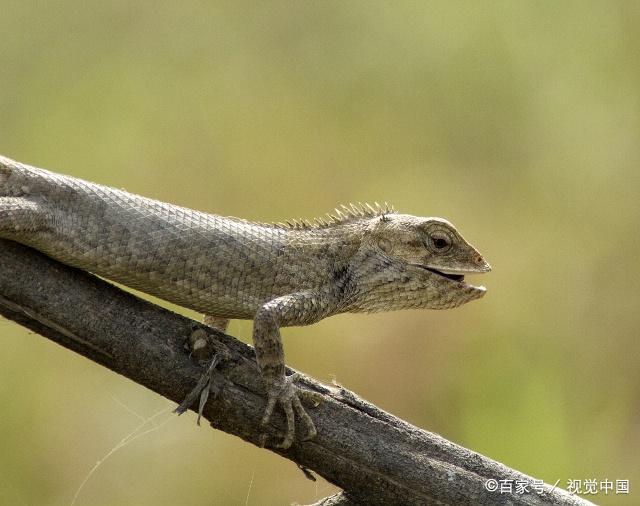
362,259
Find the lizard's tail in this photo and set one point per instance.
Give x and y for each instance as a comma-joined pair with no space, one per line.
17,213
19,180
5,170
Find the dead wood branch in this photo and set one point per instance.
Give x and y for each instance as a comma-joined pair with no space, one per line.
373,456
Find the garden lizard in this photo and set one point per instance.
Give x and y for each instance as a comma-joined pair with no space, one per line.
361,258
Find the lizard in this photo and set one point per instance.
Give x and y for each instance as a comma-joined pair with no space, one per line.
361,258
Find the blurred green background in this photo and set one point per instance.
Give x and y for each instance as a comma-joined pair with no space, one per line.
518,121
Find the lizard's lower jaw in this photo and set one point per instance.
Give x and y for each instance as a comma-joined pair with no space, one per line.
478,290
463,293
472,292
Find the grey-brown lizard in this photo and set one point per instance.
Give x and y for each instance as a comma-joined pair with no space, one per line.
360,259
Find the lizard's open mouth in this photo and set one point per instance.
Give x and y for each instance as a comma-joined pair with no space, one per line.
453,277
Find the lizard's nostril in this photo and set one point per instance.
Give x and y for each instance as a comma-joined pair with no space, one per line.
483,264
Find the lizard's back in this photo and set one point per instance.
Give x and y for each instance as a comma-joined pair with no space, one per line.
213,264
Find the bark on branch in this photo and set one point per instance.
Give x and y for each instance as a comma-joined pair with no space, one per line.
373,456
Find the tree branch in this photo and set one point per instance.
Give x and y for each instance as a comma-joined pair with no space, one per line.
373,456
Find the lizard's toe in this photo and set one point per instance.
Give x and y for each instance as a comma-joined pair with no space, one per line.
201,390
287,395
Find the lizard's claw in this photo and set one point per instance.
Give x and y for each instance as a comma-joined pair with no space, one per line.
287,395
205,384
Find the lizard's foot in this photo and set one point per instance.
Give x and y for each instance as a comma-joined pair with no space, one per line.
202,389
287,395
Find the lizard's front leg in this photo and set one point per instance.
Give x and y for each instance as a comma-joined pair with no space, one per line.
301,308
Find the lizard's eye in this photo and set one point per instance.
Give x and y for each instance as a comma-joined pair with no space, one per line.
439,241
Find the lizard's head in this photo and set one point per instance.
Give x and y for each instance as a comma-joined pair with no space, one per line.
428,259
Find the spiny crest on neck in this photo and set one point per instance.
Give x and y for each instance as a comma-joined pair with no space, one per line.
342,215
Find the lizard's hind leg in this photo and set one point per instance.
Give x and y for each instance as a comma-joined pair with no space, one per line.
199,344
215,322
205,385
